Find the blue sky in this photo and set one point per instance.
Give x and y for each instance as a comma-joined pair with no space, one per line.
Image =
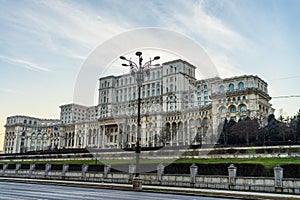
44,43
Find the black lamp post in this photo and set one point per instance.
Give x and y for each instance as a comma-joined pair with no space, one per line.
138,71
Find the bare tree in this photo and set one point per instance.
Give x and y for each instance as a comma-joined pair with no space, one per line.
165,135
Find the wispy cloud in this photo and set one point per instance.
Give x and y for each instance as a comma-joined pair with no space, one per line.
24,64
6,90
66,25
217,38
192,18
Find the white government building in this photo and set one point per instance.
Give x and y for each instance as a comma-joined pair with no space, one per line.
176,109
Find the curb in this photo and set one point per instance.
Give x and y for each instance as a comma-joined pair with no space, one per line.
159,189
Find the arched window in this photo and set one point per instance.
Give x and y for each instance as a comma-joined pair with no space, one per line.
231,87
171,87
241,85
232,109
222,88
205,87
223,110
243,108
192,122
199,122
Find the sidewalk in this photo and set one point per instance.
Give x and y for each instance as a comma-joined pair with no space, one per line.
163,189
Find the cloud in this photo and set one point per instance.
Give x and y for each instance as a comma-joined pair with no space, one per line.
25,64
196,20
192,18
69,24
6,90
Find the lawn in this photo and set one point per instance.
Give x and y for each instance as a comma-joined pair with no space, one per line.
267,162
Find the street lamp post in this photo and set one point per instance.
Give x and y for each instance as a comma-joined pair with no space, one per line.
138,71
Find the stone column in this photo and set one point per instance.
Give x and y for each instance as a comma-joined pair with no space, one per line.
47,169
65,170
278,176
193,174
75,138
103,137
183,133
106,170
177,134
160,171
85,168
118,136
98,136
31,169
231,176
132,170
188,132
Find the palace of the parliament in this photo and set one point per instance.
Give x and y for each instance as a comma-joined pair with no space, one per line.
176,109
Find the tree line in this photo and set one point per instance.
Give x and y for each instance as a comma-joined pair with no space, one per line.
252,131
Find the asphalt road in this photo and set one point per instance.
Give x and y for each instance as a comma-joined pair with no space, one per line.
20,191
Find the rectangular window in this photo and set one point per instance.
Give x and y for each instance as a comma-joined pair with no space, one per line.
158,92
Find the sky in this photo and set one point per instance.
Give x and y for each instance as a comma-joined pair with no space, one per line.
43,44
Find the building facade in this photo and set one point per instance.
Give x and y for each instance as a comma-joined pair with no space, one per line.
176,109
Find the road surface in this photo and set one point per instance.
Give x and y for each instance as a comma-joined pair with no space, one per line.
20,191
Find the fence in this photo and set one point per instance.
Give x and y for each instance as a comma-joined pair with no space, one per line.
104,174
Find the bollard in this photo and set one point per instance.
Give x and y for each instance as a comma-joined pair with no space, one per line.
47,169
160,172
106,170
193,174
278,176
231,176
85,168
132,170
65,170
